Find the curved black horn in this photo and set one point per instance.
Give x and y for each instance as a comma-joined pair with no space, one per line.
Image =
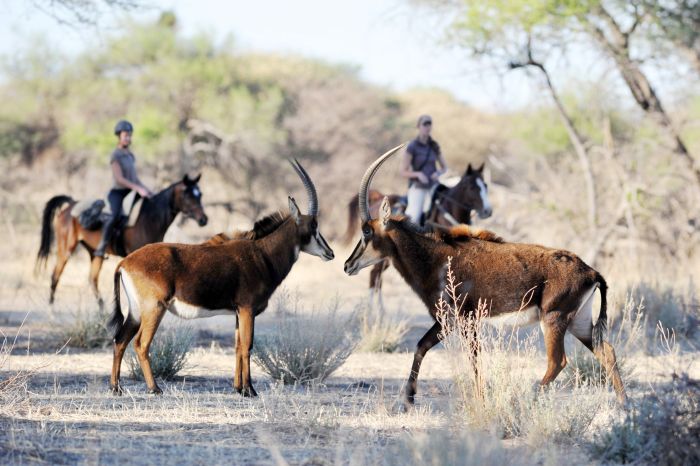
308,185
367,179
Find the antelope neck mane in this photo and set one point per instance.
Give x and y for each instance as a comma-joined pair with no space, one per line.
457,233
264,226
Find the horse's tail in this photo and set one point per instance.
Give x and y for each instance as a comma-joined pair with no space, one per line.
50,209
602,324
116,320
353,213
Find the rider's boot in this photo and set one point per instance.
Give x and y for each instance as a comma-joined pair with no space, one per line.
107,230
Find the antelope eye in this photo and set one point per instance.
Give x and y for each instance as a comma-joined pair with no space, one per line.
366,231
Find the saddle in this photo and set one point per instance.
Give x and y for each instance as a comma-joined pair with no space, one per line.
92,213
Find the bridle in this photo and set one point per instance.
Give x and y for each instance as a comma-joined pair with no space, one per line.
449,217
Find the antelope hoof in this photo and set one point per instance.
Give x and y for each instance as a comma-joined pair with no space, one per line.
116,390
248,392
155,391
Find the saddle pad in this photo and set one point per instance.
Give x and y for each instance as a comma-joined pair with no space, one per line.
128,206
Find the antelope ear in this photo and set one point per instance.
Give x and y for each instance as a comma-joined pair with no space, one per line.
385,211
294,209
470,170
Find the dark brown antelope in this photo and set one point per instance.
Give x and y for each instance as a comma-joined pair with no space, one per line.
556,284
226,276
155,217
449,207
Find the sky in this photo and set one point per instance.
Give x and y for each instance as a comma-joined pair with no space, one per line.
391,43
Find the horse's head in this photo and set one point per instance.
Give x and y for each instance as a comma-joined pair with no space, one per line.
188,199
473,191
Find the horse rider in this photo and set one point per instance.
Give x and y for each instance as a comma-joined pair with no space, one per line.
419,165
123,164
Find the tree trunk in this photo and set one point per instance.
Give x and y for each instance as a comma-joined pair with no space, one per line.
616,43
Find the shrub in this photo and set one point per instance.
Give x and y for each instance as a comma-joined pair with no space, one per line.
168,353
88,329
672,307
305,348
663,428
583,369
380,334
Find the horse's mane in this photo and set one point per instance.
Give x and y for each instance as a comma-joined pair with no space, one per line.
263,227
457,233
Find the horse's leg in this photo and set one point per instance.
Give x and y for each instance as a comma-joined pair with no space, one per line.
245,332
431,338
65,245
95,267
375,282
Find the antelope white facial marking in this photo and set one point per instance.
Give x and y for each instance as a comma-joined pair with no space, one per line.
186,310
484,194
318,247
581,325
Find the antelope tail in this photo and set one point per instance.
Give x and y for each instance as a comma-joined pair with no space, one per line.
50,209
116,320
602,324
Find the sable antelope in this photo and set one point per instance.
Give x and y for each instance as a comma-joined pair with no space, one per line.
450,206
230,277
556,284
155,217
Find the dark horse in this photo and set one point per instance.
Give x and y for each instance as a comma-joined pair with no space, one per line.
449,207
156,215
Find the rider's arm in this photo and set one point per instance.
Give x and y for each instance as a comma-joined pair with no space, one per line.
406,171
443,165
119,177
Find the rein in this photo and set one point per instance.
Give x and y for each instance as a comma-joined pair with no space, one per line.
445,213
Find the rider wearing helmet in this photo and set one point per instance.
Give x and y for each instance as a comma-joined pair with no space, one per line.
419,165
123,165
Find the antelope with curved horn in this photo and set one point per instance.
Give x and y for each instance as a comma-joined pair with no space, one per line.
556,284
235,277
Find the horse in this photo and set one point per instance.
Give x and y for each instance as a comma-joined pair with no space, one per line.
155,217
449,206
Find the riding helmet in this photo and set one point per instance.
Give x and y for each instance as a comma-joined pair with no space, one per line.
123,125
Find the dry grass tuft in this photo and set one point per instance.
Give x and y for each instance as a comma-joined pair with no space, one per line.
88,329
380,334
168,353
308,347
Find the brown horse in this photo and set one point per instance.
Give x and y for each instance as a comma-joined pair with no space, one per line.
227,275
449,207
524,283
156,215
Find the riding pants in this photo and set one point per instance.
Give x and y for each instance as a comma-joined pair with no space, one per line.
416,201
115,199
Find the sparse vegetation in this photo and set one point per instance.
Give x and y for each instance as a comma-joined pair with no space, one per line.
87,329
305,347
662,428
379,332
168,353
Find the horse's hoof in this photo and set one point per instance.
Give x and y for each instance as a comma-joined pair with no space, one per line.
155,391
116,390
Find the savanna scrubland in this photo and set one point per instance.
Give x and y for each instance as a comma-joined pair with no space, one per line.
592,172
